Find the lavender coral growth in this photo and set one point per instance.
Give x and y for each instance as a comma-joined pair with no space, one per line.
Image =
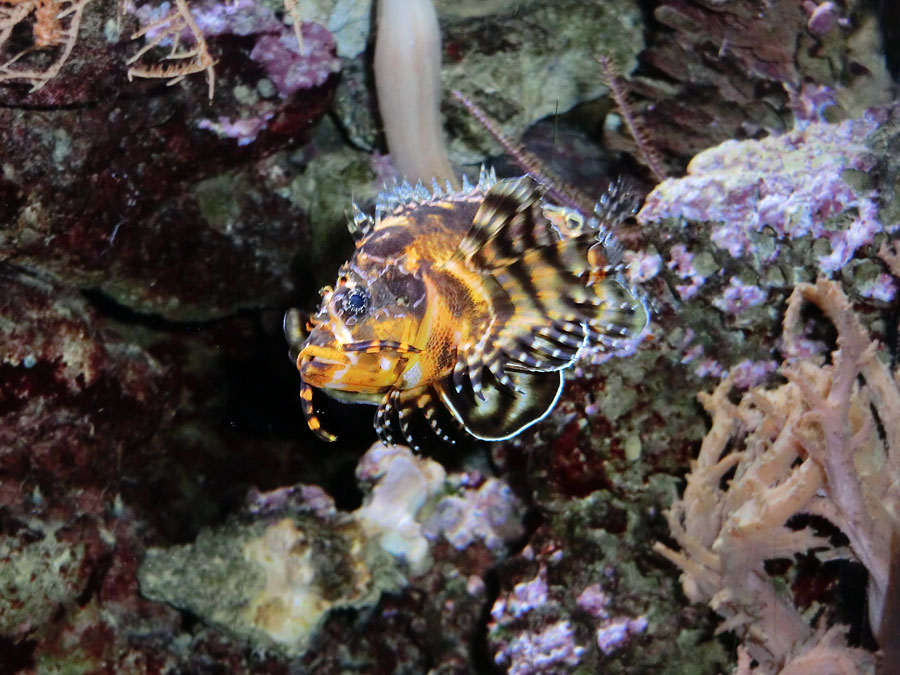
810,446
792,184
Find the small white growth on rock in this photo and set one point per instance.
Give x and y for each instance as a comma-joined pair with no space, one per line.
403,484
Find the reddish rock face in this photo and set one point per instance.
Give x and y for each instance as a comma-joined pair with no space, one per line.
157,197
74,395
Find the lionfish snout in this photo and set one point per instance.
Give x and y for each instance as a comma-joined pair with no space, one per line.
322,366
365,367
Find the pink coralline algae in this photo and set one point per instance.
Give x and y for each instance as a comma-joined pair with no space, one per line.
884,288
523,598
792,184
612,632
213,18
483,509
545,651
276,49
642,266
738,296
822,17
682,263
292,70
245,130
748,373
594,601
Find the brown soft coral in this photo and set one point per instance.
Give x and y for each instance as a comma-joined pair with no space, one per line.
825,443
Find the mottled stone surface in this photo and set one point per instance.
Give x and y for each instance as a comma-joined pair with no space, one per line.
736,69
158,201
150,240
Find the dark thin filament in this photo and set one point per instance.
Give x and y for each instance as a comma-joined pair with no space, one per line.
528,162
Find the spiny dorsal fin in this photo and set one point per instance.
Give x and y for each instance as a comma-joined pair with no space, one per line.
620,202
509,222
360,224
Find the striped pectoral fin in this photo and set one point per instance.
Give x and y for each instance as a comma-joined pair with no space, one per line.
563,302
481,353
620,318
428,404
537,353
546,328
385,418
504,412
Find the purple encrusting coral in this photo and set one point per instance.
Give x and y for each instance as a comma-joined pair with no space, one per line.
289,66
524,597
242,17
792,184
682,263
545,651
548,649
553,645
245,130
292,70
641,265
483,509
612,632
615,633
738,296
749,373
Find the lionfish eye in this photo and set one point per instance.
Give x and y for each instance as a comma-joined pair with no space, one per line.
356,301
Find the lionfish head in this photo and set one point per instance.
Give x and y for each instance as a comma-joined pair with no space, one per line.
363,335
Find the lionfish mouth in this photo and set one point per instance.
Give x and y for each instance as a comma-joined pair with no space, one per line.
346,367
340,356
321,355
339,369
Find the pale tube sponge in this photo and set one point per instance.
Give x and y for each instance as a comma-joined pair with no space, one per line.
408,82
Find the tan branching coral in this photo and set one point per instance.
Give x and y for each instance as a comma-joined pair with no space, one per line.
185,60
54,26
825,443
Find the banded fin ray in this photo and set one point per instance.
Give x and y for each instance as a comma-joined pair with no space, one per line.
508,222
553,296
360,225
397,410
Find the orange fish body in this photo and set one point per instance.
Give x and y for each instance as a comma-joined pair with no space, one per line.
475,302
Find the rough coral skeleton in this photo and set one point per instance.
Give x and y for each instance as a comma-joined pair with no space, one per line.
826,443
55,24
185,61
